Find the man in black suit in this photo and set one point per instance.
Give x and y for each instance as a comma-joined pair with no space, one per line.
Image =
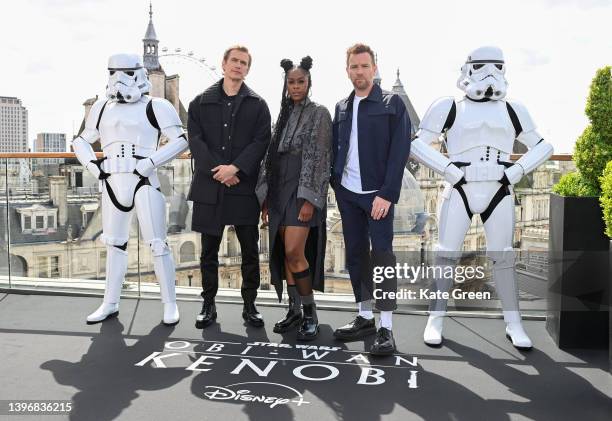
229,131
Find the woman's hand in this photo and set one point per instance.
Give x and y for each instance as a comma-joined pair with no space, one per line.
306,212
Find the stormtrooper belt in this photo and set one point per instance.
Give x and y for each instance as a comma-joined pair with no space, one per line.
144,181
502,192
478,172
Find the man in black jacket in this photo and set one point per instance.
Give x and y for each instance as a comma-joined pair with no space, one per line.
229,131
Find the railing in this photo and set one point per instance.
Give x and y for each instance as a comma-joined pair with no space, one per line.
50,223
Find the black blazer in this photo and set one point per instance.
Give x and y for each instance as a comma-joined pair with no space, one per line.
249,139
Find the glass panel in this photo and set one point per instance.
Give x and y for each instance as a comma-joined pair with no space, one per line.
5,281
55,227
55,223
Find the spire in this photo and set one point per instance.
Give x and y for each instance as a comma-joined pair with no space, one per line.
150,35
377,78
398,89
150,45
398,82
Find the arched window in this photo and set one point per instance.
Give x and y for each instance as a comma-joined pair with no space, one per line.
187,252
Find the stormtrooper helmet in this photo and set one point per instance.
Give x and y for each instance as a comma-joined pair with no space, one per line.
128,79
482,76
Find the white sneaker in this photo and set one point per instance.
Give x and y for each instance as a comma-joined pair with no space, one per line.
433,331
105,311
171,314
518,336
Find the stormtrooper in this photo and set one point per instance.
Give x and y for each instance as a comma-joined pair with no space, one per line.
129,123
479,132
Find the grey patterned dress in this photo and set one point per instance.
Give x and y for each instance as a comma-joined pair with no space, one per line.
300,171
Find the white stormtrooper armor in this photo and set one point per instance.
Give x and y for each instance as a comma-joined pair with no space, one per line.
129,123
479,131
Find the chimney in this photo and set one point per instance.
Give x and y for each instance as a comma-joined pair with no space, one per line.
58,192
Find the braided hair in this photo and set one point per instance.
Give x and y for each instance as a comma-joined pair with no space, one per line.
283,116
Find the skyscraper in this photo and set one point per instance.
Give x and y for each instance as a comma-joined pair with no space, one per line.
13,125
14,133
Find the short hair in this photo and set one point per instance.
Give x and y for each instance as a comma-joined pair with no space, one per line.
239,48
358,49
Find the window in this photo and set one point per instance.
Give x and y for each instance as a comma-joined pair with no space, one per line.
27,222
40,222
41,264
87,217
50,221
54,266
102,262
187,252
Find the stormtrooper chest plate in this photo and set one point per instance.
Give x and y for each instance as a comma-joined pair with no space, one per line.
127,124
479,124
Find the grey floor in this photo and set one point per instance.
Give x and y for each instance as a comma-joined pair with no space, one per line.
49,353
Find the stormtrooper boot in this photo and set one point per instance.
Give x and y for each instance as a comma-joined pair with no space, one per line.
515,331
432,335
164,270
433,331
116,267
507,291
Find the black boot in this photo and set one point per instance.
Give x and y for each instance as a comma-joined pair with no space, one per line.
310,325
208,314
291,319
251,315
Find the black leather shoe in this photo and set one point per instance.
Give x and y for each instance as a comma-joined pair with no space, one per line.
384,344
207,316
310,327
356,329
251,315
291,319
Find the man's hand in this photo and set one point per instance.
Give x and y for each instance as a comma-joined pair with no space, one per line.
232,181
306,212
380,208
222,173
264,214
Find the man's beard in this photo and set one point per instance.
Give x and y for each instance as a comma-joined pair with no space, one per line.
361,84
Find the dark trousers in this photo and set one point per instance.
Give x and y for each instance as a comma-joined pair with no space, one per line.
359,229
248,237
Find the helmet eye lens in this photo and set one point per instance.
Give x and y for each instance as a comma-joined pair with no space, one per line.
129,73
477,66
112,72
499,66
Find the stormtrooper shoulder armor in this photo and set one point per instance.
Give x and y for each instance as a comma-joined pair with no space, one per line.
92,123
164,113
520,117
440,115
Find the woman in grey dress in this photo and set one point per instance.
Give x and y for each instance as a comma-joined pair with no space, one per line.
292,191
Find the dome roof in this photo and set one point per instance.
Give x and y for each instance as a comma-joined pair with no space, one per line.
411,206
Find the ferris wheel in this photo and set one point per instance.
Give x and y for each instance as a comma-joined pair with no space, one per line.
195,72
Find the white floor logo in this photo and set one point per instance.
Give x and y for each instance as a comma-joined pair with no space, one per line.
242,392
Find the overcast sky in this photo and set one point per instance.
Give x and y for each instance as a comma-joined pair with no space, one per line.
54,52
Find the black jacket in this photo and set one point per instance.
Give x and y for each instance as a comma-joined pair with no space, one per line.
245,148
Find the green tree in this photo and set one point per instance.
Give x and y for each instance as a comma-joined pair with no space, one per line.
593,149
606,198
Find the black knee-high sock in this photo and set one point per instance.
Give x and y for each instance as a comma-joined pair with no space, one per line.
303,282
296,299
